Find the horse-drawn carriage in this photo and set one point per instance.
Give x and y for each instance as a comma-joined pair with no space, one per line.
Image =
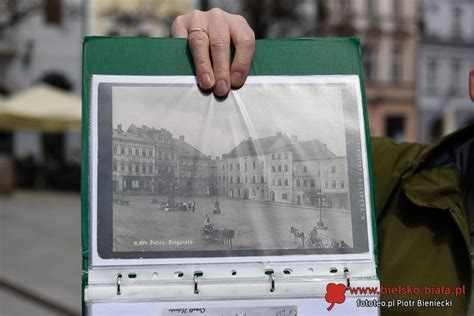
315,239
218,236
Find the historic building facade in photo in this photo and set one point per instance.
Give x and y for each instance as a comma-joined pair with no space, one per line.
280,174
318,175
193,169
149,160
143,159
334,179
307,163
281,169
245,172
273,169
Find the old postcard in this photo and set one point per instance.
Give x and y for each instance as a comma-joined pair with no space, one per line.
277,169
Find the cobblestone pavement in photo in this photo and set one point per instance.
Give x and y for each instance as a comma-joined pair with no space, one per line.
144,226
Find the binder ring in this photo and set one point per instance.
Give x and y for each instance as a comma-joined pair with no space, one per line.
119,281
272,280
348,278
196,290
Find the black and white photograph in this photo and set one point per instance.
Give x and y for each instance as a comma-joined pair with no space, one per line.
267,171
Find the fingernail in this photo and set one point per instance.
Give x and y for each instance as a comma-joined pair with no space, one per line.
205,81
221,87
237,78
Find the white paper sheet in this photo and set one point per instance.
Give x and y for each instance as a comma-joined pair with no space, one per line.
291,307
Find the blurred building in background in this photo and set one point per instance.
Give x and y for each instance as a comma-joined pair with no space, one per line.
41,42
46,43
446,55
389,33
134,18
272,18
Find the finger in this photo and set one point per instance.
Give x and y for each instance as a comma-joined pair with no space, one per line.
179,27
243,39
219,37
199,44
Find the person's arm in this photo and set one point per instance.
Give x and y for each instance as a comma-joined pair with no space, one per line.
210,35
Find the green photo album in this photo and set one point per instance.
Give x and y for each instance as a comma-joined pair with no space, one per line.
260,203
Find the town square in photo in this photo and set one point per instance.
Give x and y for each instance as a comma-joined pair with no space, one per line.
264,170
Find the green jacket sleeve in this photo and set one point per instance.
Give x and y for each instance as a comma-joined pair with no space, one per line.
422,227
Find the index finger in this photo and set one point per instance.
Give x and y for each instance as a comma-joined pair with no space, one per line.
243,39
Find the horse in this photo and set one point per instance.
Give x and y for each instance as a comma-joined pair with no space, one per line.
228,235
300,235
297,234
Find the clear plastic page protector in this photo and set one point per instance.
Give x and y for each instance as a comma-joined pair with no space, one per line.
269,183
275,172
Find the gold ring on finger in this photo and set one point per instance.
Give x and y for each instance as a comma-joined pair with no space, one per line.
197,29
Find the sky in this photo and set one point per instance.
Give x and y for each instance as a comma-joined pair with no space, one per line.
309,111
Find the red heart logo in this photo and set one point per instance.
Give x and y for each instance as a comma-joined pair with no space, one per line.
335,294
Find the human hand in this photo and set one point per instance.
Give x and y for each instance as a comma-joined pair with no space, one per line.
210,35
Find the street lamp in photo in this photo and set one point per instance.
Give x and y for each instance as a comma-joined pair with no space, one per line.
154,190
173,188
216,188
217,209
320,224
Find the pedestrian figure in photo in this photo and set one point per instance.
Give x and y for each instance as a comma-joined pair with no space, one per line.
206,220
217,209
194,206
